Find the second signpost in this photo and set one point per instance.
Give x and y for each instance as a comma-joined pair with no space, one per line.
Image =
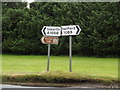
51,34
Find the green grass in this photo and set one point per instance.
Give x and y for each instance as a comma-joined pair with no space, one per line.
33,64
31,70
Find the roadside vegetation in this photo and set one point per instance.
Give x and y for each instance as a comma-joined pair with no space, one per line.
32,69
99,22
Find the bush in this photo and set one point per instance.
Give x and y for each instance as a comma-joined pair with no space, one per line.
98,21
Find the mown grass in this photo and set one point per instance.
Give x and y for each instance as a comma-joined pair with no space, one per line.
32,68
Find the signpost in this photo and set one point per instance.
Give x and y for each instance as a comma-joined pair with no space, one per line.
69,31
70,52
50,33
48,62
49,40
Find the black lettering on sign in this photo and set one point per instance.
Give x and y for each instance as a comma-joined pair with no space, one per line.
53,33
68,32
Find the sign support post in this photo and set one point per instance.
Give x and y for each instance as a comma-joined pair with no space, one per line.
48,62
70,52
51,34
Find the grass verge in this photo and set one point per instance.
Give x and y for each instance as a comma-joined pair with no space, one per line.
58,78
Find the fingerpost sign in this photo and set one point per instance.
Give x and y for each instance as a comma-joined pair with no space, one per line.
70,30
51,34
51,31
49,40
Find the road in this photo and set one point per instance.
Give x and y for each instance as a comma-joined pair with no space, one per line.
17,87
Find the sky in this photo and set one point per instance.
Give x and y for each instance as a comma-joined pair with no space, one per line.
28,4
28,1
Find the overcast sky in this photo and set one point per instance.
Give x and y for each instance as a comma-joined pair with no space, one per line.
28,1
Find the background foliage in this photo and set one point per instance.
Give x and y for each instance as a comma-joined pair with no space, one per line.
21,27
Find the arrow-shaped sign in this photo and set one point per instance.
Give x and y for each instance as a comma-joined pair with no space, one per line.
70,30
49,40
51,31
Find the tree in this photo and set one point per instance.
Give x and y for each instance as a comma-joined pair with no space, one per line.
98,21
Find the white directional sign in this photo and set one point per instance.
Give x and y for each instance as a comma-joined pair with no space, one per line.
51,31
51,34
70,30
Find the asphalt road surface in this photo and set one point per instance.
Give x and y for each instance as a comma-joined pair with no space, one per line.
17,87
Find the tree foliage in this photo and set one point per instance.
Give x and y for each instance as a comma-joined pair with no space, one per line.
99,23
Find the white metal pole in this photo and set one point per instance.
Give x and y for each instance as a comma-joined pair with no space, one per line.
48,62
70,52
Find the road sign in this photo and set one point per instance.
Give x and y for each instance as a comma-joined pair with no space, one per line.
49,40
70,30
51,31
